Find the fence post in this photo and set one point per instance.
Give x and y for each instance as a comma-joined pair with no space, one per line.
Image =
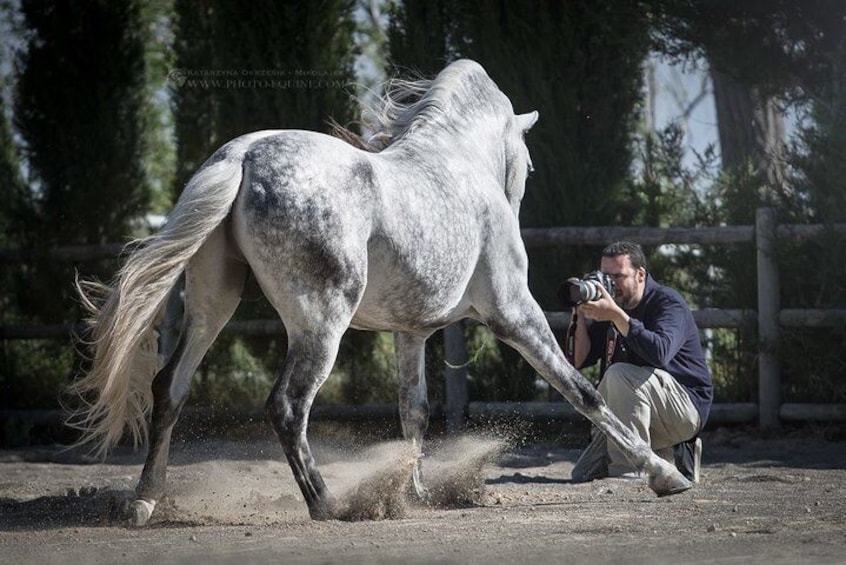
769,377
455,374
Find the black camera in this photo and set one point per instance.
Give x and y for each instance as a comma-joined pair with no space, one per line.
575,291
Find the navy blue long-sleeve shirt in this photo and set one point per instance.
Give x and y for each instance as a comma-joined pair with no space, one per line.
662,334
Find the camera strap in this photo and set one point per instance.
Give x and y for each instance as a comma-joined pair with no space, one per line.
610,347
570,340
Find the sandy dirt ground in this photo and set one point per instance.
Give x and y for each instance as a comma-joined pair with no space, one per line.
761,500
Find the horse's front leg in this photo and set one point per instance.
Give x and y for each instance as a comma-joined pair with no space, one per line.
522,324
413,402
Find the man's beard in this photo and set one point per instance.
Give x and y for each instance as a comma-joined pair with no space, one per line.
626,302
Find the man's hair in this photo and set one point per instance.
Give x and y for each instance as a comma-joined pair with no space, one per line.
633,250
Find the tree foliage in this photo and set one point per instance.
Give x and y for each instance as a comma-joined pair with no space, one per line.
12,191
77,106
794,52
420,34
78,101
264,65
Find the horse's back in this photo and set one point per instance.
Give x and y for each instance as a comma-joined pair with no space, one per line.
308,184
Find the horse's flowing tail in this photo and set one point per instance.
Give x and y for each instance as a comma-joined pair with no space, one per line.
115,394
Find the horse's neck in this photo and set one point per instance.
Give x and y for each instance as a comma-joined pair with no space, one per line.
439,147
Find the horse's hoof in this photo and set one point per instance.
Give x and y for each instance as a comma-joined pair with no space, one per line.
667,481
417,491
140,512
422,495
419,494
321,511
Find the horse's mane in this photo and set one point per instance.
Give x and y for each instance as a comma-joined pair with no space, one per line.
403,105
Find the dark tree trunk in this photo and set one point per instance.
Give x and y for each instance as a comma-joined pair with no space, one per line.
751,131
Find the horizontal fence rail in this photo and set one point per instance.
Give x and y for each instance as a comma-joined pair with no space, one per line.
706,319
767,319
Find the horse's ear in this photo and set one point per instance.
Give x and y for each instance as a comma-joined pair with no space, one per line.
526,121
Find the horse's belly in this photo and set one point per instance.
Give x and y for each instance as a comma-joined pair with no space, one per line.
393,316
409,295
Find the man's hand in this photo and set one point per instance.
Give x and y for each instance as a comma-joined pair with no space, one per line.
606,310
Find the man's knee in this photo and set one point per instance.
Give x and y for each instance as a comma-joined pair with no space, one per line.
623,377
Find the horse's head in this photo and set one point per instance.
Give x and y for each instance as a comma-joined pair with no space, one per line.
518,162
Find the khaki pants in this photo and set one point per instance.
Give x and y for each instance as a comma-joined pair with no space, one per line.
650,402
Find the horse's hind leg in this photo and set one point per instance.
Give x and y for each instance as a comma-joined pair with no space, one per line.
311,354
213,286
413,402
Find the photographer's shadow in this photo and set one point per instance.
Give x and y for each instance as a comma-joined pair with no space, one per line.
550,467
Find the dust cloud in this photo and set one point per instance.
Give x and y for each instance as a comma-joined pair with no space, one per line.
370,483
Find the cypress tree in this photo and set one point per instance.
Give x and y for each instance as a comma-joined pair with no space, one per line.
419,35
77,104
264,65
246,67
78,99
11,185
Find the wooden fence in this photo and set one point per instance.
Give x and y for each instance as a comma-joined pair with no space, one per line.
769,318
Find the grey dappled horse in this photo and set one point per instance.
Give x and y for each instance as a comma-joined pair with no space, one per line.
407,239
